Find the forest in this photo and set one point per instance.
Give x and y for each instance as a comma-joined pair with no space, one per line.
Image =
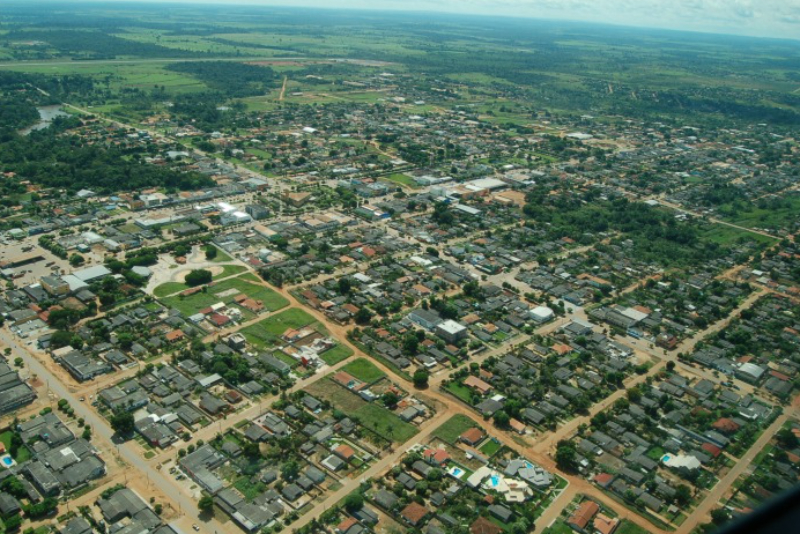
55,158
251,80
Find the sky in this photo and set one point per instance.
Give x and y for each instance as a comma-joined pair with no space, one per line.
761,18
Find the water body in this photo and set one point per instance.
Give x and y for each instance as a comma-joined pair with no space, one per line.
47,114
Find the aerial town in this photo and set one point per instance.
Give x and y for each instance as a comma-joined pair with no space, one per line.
397,303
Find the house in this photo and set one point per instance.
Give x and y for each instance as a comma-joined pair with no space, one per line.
385,499
414,514
580,518
475,383
471,437
604,524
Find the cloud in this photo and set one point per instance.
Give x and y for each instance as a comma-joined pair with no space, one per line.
767,18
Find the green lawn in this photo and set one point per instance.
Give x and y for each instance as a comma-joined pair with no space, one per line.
402,179
266,333
23,454
490,447
336,354
249,490
364,370
627,527
451,429
559,527
193,303
222,256
168,288
230,270
385,423
460,391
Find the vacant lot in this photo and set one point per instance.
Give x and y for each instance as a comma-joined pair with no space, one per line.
192,304
364,370
371,416
267,332
454,427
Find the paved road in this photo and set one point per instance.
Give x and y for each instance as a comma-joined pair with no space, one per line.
128,452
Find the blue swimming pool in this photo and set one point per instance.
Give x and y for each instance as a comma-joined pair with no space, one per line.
665,458
456,472
495,480
7,461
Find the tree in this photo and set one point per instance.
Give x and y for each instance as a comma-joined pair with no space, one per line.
290,470
122,423
683,494
566,456
501,419
421,378
390,399
344,285
205,504
354,502
198,277
719,516
60,338
211,252
76,259
670,366
363,316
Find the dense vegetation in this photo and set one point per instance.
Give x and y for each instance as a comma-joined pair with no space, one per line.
54,158
250,80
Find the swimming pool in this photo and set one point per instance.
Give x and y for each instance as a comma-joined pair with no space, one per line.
7,461
495,480
665,458
456,472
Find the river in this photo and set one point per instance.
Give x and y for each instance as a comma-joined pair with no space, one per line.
47,114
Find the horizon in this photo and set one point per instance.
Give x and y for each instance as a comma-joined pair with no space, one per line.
768,19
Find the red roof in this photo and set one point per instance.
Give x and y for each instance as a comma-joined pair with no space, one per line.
711,449
414,513
603,479
585,512
345,451
439,456
472,436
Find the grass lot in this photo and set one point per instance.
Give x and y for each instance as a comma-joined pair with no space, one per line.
23,454
559,527
627,527
371,416
756,217
196,302
402,179
230,270
248,489
385,423
454,427
222,256
490,447
267,332
336,354
364,370
727,235
460,391
169,288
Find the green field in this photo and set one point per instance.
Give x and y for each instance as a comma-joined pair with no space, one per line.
627,527
267,333
230,270
371,416
203,299
364,370
337,354
169,288
451,429
402,179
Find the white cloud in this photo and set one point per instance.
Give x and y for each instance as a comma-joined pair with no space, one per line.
767,18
